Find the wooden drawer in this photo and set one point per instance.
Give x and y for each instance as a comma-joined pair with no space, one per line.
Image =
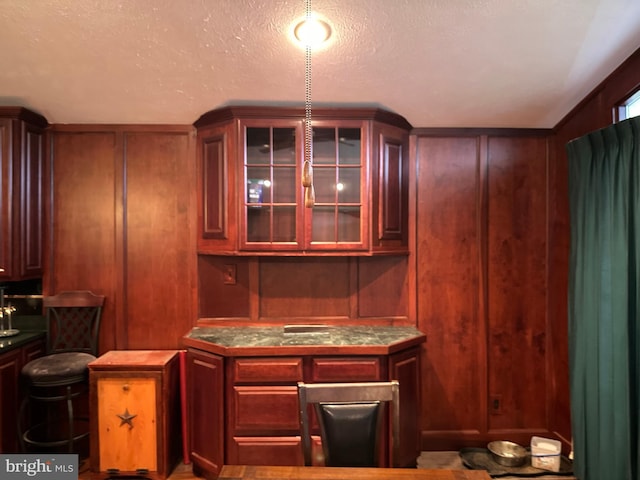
265,410
268,370
266,451
338,369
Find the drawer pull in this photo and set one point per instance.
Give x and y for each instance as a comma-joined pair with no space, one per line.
126,387
126,418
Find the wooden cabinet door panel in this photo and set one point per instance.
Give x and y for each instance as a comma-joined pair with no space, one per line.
206,410
31,202
6,227
405,368
21,188
11,394
127,422
9,400
264,410
216,173
393,183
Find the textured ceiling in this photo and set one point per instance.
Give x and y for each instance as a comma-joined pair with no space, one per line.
439,63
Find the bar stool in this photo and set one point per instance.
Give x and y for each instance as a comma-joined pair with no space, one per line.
56,383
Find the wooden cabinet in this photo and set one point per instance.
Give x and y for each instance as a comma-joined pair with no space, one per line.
250,169
263,410
244,409
205,383
262,406
21,175
11,394
135,427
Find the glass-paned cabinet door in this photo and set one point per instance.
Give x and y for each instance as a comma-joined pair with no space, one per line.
338,173
270,199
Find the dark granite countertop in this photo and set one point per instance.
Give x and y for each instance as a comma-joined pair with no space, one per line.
329,340
16,341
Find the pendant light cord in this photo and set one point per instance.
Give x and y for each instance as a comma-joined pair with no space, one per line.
307,172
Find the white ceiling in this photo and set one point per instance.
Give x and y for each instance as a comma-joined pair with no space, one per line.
439,63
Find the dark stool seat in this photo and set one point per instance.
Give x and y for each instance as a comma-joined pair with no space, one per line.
54,414
58,369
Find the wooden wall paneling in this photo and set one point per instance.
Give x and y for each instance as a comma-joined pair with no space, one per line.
304,288
327,289
82,205
448,233
223,283
596,109
412,270
482,244
517,245
557,294
121,223
382,288
254,289
159,237
354,299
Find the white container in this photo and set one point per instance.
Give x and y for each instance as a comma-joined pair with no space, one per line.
545,453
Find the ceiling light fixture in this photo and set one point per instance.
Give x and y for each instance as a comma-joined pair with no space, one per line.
312,31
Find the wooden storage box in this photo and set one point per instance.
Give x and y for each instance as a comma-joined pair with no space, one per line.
135,413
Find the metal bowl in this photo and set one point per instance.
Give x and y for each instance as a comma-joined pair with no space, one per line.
507,453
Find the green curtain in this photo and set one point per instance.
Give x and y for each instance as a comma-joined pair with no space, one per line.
604,273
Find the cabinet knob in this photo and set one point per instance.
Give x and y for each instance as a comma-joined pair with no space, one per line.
125,387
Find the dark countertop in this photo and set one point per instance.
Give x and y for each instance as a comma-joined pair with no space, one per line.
364,340
10,343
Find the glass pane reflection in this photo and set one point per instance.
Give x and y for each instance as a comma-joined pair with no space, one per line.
284,184
284,224
323,225
258,147
258,223
324,183
349,146
348,185
284,146
349,224
324,146
258,185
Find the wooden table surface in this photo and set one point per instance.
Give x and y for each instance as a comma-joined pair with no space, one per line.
255,472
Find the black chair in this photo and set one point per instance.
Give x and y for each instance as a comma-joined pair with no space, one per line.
351,417
57,382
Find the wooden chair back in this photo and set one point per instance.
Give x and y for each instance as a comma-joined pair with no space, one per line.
351,418
73,321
